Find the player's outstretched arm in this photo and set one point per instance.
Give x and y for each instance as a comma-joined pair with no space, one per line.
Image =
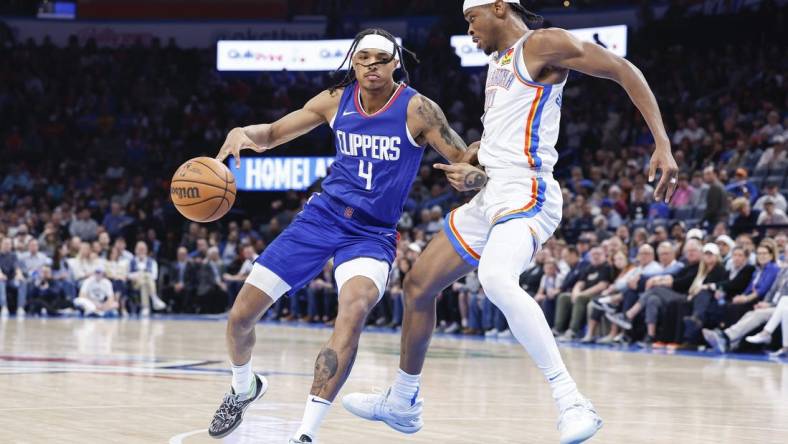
559,48
428,122
266,136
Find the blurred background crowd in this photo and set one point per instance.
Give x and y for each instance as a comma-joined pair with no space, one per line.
90,137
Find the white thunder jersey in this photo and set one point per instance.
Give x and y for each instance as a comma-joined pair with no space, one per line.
521,121
521,118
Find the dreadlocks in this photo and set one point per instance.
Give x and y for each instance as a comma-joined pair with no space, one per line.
532,19
350,76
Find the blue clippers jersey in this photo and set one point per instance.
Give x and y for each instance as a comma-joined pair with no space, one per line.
377,159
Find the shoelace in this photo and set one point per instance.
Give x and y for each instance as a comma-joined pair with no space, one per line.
229,407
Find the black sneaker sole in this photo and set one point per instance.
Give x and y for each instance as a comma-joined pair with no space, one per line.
262,387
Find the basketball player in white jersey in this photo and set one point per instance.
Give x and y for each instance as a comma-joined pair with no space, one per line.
502,228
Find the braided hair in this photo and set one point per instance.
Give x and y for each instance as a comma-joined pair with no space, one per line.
350,75
532,19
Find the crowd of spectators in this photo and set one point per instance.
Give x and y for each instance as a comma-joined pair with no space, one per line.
90,137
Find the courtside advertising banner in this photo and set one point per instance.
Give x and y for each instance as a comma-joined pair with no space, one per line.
614,38
280,55
279,173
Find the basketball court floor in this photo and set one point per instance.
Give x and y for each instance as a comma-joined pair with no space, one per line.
160,380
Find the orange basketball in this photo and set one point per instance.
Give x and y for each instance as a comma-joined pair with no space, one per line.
203,189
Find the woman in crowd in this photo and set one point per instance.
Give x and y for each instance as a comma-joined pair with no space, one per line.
622,272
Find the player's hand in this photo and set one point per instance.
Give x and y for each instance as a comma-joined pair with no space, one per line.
662,160
463,176
236,141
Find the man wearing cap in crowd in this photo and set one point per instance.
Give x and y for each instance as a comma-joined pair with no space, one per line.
771,216
726,245
96,296
741,186
773,193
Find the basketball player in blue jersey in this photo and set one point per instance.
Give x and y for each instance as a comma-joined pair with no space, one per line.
380,129
504,225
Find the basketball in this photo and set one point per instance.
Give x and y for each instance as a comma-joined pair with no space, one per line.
203,189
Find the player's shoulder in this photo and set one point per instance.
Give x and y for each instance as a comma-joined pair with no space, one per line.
550,38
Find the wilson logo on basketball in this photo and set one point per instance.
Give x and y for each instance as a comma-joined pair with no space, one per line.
188,193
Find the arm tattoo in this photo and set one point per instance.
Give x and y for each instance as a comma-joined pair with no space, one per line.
475,180
433,116
325,369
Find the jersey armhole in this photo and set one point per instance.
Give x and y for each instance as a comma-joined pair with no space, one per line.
410,136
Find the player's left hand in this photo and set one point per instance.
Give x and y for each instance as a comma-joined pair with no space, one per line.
463,176
663,160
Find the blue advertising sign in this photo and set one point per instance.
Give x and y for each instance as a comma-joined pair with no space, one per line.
279,173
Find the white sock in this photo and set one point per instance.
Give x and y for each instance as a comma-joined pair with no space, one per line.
243,378
316,409
405,389
505,255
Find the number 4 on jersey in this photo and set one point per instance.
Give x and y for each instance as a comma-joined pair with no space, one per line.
365,173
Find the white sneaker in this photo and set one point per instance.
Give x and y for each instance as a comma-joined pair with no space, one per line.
492,333
761,337
158,304
301,440
506,334
145,312
578,422
20,312
375,407
4,312
453,328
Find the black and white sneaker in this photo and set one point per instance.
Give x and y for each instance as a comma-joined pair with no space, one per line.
619,319
302,439
603,306
231,413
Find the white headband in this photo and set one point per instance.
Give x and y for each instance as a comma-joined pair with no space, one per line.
377,41
474,3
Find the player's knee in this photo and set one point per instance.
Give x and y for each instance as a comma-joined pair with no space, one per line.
355,311
240,322
416,291
497,285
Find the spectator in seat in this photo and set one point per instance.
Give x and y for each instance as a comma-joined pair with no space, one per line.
682,198
83,265
46,295
730,338
571,307
621,274
763,278
84,226
11,276
771,215
745,220
96,296
143,274
774,155
549,289
117,271
661,291
710,274
176,289
772,192
741,186
33,261
779,317
726,245
116,220
235,281
322,295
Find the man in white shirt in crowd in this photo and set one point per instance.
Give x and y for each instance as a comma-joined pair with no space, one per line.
143,273
772,193
96,296
33,261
